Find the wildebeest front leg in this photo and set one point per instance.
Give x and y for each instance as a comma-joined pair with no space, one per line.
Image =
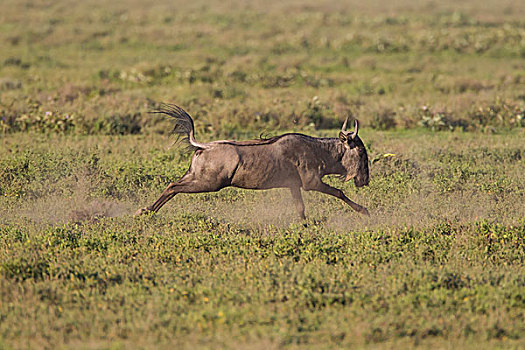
324,188
298,201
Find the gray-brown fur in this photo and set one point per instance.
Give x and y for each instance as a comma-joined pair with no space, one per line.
293,161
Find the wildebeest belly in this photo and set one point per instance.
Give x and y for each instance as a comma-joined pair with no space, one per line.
264,171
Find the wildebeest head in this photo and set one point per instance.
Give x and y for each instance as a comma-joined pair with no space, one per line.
355,159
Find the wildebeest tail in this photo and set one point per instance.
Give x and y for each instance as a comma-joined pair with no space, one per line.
183,125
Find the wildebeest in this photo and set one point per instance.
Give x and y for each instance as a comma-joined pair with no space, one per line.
293,161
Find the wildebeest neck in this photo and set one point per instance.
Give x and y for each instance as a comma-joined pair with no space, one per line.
331,150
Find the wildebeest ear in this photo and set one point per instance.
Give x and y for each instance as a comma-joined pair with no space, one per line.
343,137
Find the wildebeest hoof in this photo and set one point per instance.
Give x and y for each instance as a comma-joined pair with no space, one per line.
142,211
363,211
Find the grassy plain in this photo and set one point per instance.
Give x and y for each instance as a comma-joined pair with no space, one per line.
439,91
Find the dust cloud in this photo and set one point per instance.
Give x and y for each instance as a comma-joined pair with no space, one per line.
275,207
71,202
255,209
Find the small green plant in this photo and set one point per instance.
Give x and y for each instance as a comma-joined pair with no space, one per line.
319,115
45,121
384,120
499,113
438,120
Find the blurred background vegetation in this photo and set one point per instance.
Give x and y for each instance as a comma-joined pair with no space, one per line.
238,67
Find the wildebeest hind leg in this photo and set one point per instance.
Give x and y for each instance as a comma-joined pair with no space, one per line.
184,185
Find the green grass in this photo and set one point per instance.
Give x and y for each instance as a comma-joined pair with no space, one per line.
438,263
192,280
438,89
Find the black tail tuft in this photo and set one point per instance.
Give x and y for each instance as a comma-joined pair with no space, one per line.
184,128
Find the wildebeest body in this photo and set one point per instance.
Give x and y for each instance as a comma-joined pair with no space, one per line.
284,162
293,161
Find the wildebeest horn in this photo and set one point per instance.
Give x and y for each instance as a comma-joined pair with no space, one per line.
344,124
356,129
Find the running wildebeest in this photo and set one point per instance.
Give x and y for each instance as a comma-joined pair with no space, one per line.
291,160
